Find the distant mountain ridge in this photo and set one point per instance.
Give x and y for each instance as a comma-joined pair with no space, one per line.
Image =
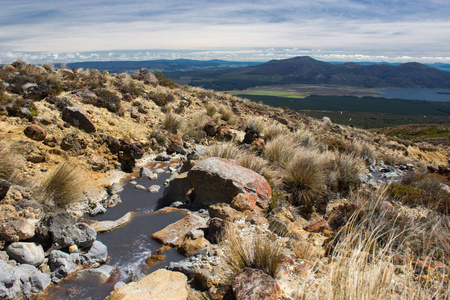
306,70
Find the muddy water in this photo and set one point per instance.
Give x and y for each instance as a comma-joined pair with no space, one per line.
128,246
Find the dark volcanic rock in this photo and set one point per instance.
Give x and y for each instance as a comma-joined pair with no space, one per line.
4,188
77,117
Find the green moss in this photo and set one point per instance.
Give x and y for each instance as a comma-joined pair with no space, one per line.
400,191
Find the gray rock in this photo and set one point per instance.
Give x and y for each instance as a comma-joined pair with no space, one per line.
154,189
39,280
32,279
200,149
10,285
4,256
112,201
163,157
26,253
62,264
79,234
98,209
115,188
99,275
145,172
98,253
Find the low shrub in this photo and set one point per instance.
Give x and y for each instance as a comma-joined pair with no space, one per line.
107,99
161,99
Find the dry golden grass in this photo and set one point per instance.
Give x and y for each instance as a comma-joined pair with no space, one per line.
253,162
64,186
279,150
304,138
228,150
363,258
273,130
9,164
211,109
226,112
259,252
346,169
173,122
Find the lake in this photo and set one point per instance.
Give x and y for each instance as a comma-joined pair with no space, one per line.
417,94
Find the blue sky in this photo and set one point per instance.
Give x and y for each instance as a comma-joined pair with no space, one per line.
344,30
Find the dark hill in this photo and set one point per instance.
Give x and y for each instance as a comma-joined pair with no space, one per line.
306,70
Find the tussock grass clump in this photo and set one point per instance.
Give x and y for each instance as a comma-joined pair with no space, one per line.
228,150
211,109
64,186
273,130
253,162
9,163
304,178
226,112
259,252
304,138
347,169
362,149
173,122
279,150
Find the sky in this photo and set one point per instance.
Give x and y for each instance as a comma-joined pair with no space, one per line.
331,30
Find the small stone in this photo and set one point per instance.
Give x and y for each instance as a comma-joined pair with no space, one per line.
153,176
316,226
35,132
4,188
140,187
154,189
159,171
253,284
73,248
133,182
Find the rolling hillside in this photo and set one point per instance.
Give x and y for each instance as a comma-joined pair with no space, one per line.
306,70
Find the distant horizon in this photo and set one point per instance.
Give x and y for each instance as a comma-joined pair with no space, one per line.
239,55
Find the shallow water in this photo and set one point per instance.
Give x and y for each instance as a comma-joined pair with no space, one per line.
417,94
128,246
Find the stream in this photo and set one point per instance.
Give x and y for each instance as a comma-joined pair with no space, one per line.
128,246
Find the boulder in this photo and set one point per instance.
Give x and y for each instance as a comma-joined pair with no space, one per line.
73,143
79,234
177,190
4,188
215,230
191,246
174,234
128,154
159,285
32,279
77,117
26,253
35,132
217,180
210,128
254,284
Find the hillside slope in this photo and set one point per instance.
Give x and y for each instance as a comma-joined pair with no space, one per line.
306,70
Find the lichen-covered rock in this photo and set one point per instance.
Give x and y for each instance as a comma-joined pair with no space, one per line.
217,180
254,284
159,285
26,253
77,117
35,132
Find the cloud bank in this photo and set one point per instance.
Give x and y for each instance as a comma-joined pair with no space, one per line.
237,30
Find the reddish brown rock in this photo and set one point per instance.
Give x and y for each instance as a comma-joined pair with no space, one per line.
217,180
316,226
35,132
77,117
254,284
175,144
243,202
210,128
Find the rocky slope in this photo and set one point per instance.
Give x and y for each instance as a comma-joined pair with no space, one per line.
293,207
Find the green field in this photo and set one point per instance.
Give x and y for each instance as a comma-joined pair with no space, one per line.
365,112
272,93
